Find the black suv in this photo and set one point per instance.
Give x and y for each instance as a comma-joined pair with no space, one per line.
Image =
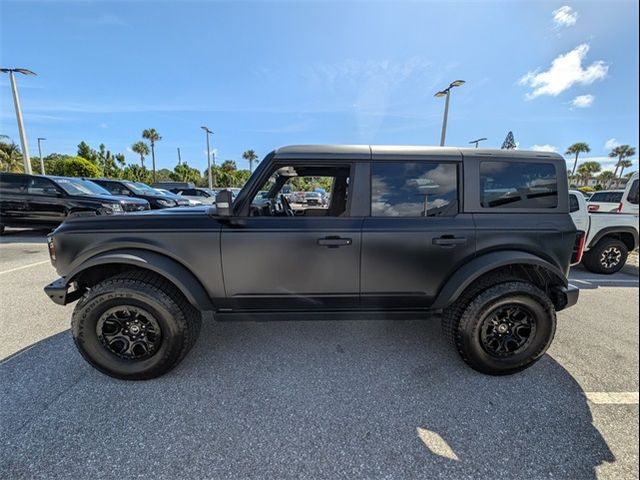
155,198
38,201
482,237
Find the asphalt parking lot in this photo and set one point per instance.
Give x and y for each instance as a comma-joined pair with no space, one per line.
337,399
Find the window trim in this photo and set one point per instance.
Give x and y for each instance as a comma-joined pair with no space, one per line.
458,170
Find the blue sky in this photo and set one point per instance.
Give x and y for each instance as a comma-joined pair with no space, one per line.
267,74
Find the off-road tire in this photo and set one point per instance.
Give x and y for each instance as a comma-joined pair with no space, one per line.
179,323
593,259
465,320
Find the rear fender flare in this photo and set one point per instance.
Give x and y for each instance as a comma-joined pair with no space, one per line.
483,264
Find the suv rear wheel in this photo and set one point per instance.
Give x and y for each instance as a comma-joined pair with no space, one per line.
503,329
608,256
134,326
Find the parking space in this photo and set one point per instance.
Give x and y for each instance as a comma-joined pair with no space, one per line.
334,399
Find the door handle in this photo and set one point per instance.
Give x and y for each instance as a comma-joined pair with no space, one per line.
449,241
334,242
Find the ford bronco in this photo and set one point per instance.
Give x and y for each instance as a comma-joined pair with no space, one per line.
481,238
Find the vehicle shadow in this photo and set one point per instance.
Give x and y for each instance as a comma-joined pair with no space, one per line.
336,399
11,235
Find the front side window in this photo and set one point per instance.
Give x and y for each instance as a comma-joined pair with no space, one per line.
518,185
304,190
414,189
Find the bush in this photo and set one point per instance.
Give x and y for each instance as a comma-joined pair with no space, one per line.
66,166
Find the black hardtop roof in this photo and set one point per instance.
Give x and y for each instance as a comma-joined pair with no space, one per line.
399,151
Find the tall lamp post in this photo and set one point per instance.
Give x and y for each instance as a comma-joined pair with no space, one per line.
477,141
40,154
16,103
447,93
207,133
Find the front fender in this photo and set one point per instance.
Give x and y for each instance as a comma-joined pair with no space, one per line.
471,271
164,266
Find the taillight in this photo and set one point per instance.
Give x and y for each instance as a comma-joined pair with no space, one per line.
593,208
52,250
619,209
578,247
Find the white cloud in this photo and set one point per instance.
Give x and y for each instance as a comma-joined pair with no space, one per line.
564,16
544,148
611,144
565,71
582,101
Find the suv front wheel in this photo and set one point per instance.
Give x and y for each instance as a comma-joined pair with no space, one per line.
503,329
134,326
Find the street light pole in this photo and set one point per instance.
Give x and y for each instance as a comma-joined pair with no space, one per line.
40,153
207,133
16,103
179,158
447,93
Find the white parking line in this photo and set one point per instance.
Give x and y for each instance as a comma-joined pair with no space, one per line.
25,266
436,444
612,398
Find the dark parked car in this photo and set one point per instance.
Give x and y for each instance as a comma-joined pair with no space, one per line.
139,190
38,201
483,237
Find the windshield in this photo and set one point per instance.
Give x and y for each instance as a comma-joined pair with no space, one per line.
77,186
141,188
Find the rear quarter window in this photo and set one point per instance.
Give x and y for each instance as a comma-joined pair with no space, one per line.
12,183
632,197
518,185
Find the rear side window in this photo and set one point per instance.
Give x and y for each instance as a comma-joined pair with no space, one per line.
414,189
518,185
12,183
633,193
113,188
574,205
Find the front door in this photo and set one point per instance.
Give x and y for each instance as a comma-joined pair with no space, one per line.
284,255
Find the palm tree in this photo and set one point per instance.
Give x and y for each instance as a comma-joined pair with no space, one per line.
624,164
153,137
11,157
250,156
622,152
577,149
141,149
606,177
587,169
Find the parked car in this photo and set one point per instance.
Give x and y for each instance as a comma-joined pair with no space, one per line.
609,236
483,237
605,201
136,189
179,199
38,201
313,198
629,202
172,185
202,195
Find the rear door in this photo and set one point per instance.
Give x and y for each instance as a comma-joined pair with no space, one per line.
13,201
415,236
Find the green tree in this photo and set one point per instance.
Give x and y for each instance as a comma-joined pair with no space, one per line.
164,175
153,136
11,157
250,156
185,173
588,169
86,152
141,149
75,167
136,173
576,149
624,164
606,177
621,152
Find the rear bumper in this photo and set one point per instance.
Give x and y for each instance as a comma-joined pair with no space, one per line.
568,297
58,292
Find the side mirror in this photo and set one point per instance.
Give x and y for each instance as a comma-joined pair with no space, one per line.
224,202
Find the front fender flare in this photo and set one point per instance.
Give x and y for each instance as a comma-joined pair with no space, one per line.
483,264
164,266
